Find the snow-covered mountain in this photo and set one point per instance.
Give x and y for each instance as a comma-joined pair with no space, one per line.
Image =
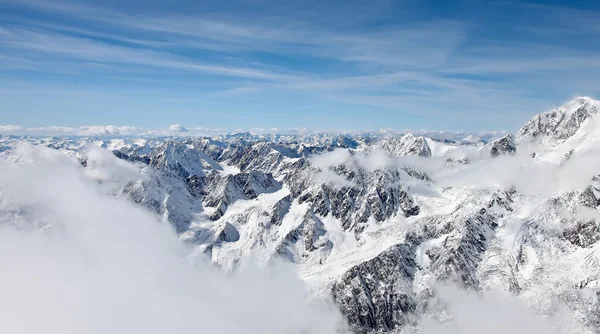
378,223
556,126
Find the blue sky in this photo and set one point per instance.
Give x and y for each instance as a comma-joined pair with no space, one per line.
451,65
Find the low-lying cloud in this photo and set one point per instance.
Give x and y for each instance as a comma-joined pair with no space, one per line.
103,265
178,130
494,313
553,173
77,261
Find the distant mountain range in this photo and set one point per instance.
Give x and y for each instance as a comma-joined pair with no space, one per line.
376,220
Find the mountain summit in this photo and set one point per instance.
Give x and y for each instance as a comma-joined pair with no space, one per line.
561,123
376,224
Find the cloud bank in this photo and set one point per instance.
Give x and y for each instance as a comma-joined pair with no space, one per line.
101,265
494,313
179,130
78,261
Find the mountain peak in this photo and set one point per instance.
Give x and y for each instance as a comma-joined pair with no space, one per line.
584,99
182,158
577,103
406,145
558,125
504,145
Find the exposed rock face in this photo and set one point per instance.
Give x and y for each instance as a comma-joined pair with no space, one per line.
561,123
123,156
590,197
261,156
181,159
377,295
226,233
382,295
584,234
407,145
381,224
166,194
308,236
368,194
223,191
211,147
279,210
504,145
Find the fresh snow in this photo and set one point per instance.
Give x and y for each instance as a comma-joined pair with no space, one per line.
376,223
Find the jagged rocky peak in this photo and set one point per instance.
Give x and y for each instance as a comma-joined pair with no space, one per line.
222,191
406,145
166,194
226,232
213,148
309,236
590,197
221,232
558,125
355,195
387,292
182,158
279,210
344,141
305,150
376,295
380,235
504,145
261,155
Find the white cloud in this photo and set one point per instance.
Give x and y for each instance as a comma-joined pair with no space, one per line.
93,131
94,51
10,128
333,158
180,130
549,173
177,128
493,313
106,266
104,166
406,67
109,130
414,45
102,131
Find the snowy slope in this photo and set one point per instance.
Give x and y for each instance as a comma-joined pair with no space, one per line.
378,224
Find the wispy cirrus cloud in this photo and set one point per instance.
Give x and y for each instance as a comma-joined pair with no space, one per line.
398,60
54,44
413,44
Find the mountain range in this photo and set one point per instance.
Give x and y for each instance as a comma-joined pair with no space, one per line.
377,222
